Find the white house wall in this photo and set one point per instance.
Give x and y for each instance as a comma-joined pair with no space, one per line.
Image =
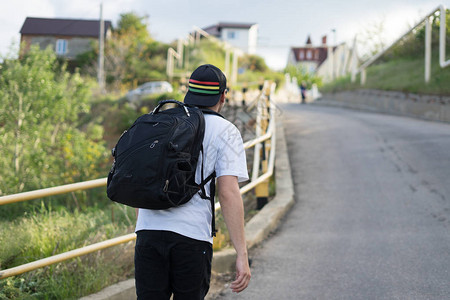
252,39
237,37
309,66
291,58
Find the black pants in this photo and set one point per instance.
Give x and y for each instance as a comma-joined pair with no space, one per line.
166,263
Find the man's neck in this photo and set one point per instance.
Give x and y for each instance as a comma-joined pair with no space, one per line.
215,108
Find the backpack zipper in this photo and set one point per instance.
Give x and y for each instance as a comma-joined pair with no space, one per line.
120,160
134,124
164,154
154,144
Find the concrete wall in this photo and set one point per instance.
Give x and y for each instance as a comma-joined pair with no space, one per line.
428,107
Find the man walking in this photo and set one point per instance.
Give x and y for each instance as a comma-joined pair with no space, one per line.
174,246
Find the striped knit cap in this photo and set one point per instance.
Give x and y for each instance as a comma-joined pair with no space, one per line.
206,85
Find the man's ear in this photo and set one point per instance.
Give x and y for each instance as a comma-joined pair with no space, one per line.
222,97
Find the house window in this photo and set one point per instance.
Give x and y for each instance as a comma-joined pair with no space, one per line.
302,55
61,47
231,35
308,54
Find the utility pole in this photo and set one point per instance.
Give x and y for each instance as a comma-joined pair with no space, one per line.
101,50
354,60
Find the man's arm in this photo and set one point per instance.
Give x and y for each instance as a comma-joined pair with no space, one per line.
233,212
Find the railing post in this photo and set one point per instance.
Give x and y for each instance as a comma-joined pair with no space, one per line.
180,47
227,62
363,76
427,50
244,92
169,66
262,189
234,67
442,36
354,60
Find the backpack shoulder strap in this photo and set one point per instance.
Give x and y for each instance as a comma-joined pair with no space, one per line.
211,179
212,192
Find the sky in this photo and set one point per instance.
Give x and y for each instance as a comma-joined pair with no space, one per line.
282,23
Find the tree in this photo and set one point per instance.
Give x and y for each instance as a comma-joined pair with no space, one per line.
373,38
41,143
131,55
253,63
303,75
130,23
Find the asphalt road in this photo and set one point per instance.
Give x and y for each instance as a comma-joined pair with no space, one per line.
372,212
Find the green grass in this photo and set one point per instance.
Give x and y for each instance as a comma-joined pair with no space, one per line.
47,232
404,74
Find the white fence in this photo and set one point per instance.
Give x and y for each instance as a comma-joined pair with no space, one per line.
442,34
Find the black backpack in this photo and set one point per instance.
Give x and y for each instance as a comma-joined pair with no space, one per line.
156,158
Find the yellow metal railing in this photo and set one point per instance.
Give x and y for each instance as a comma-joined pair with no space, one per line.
264,104
57,190
66,255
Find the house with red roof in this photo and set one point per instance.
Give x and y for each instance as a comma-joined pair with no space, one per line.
326,61
309,56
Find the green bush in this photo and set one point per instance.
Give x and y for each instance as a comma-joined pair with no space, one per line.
40,128
253,79
150,102
303,75
206,52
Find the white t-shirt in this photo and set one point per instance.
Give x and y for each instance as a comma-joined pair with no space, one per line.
223,152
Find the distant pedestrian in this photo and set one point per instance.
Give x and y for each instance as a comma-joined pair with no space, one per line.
303,92
174,246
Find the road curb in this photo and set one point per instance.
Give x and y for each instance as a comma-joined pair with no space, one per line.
256,230
123,290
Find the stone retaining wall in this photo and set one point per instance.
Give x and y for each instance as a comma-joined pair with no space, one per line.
428,107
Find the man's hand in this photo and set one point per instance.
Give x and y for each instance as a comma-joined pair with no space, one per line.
243,274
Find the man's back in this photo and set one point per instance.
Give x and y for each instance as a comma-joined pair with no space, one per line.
220,154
